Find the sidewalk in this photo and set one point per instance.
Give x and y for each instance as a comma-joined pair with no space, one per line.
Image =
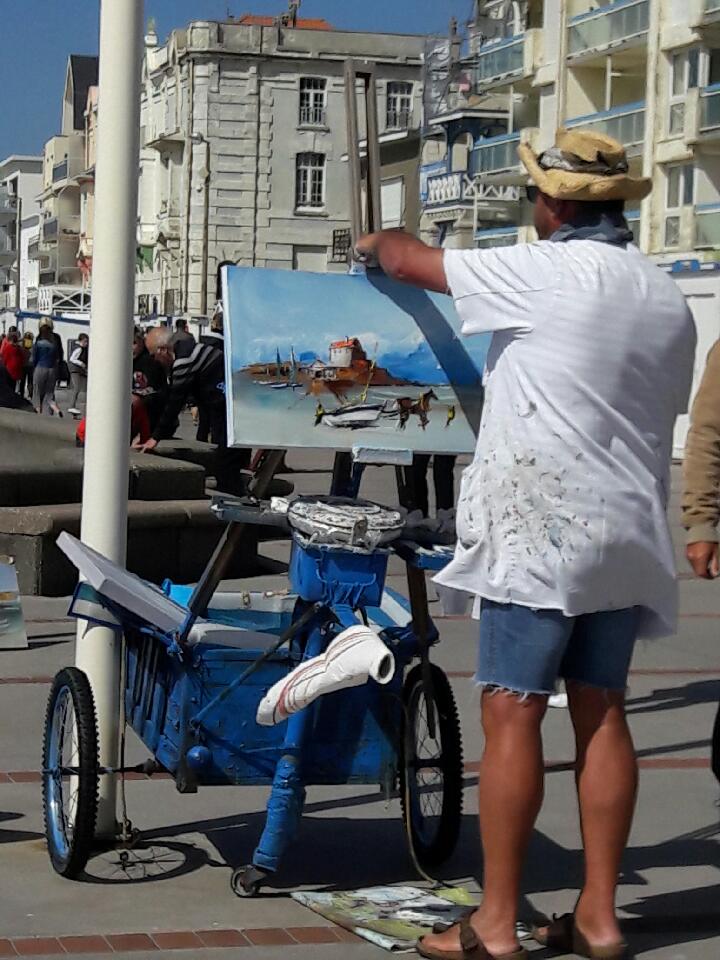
175,893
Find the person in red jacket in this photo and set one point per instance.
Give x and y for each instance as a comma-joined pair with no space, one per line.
12,355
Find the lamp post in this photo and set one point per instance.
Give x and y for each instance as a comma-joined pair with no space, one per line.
105,482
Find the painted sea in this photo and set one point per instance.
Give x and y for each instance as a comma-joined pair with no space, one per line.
338,361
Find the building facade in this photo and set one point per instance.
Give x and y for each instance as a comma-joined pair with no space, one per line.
244,151
644,71
63,282
20,184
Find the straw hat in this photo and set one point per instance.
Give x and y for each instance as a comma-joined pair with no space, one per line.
584,165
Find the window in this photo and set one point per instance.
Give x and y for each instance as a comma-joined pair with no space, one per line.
684,76
310,181
312,102
392,198
679,193
399,105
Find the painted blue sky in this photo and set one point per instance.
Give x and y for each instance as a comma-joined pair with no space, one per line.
38,36
278,310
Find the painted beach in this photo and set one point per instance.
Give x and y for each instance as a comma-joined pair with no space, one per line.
334,361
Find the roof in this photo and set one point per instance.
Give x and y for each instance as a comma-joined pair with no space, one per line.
84,71
302,23
340,344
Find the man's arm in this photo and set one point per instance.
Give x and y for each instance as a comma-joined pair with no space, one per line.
701,494
404,258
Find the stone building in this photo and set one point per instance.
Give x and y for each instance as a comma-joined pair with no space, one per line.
20,184
244,151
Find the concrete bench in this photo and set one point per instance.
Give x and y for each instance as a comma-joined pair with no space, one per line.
171,539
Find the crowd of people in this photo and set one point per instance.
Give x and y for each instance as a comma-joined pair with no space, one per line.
31,366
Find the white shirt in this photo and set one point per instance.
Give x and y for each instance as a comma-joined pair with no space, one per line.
564,504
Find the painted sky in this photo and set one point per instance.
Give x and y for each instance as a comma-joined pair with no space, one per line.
274,310
38,35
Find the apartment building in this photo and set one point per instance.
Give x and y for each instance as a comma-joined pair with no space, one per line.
20,180
244,151
644,71
63,279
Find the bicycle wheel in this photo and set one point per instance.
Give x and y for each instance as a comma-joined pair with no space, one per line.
70,772
431,771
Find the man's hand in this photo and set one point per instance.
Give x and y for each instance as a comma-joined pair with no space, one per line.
404,258
703,558
146,447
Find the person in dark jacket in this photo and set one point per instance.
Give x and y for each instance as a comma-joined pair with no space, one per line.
149,380
183,342
202,376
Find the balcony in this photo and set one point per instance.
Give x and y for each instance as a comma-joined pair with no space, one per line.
707,225
496,237
626,124
448,188
710,108
499,60
608,27
66,169
495,154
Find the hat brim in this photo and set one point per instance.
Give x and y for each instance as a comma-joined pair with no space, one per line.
590,187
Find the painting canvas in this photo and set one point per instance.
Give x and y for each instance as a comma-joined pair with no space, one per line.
12,624
348,361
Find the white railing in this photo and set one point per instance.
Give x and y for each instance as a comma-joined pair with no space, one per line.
608,25
494,193
496,237
446,188
57,298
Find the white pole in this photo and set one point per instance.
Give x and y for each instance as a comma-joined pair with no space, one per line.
105,483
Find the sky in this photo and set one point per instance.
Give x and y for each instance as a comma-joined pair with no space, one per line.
38,35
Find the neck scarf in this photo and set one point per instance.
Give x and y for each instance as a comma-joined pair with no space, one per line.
609,228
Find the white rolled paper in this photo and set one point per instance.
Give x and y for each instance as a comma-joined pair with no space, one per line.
354,657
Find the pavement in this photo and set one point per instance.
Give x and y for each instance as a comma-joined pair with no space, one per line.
173,897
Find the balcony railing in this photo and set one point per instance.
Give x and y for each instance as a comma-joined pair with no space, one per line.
707,225
626,123
608,26
495,154
447,188
496,237
710,108
499,59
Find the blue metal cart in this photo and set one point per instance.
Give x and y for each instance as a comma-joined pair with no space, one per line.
191,695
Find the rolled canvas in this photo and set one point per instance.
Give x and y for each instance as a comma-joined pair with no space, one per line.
354,657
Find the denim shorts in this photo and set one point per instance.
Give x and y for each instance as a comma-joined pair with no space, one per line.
527,650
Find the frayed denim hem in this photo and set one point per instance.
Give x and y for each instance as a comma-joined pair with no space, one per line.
495,688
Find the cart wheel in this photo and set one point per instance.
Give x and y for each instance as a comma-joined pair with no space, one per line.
431,771
70,799
246,881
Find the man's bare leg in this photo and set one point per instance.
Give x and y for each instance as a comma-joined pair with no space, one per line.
607,777
510,792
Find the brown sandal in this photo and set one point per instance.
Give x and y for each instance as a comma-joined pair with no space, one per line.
563,936
471,947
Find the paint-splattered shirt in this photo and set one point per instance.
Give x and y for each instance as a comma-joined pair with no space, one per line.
564,504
